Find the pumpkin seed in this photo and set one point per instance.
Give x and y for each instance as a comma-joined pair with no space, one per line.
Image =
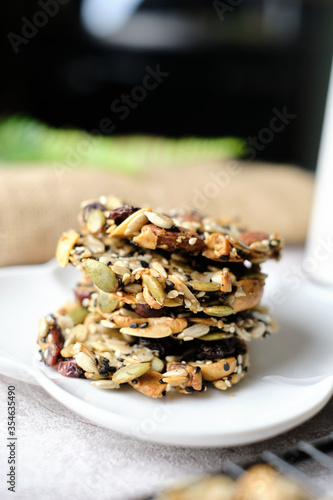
215,336
130,372
218,311
205,286
77,314
101,275
157,364
106,303
159,220
95,221
254,276
155,288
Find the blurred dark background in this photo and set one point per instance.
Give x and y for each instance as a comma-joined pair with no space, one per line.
230,63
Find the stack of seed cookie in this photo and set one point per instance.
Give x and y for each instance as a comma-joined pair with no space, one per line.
164,300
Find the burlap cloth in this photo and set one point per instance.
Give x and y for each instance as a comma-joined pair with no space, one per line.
37,204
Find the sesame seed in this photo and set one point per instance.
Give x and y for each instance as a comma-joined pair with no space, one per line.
133,325
143,325
226,367
189,389
170,284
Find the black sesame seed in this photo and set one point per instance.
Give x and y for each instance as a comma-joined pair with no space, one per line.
274,243
78,252
189,389
174,229
109,263
226,367
197,369
134,382
95,302
170,284
96,361
144,263
133,325
161,381
120,281
144,325
120,360
43,339
164,393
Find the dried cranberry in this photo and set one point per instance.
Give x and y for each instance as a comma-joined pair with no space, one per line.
81,294
147,312
51,353
70,368
121,213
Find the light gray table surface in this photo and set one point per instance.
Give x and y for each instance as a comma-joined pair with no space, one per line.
62,456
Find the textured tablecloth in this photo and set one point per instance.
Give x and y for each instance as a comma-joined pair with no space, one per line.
61,456
37,205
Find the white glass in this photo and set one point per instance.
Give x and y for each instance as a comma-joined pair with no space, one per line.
318,260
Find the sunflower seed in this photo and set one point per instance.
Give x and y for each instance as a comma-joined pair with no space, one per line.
194,331
85,362
160,220
95,221
156,331
157,364
65,245
132,224
94,244
130,372
105,384
101,275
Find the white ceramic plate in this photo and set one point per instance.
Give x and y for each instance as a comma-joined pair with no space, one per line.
291,377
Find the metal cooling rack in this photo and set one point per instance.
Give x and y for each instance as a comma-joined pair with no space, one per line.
286,462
